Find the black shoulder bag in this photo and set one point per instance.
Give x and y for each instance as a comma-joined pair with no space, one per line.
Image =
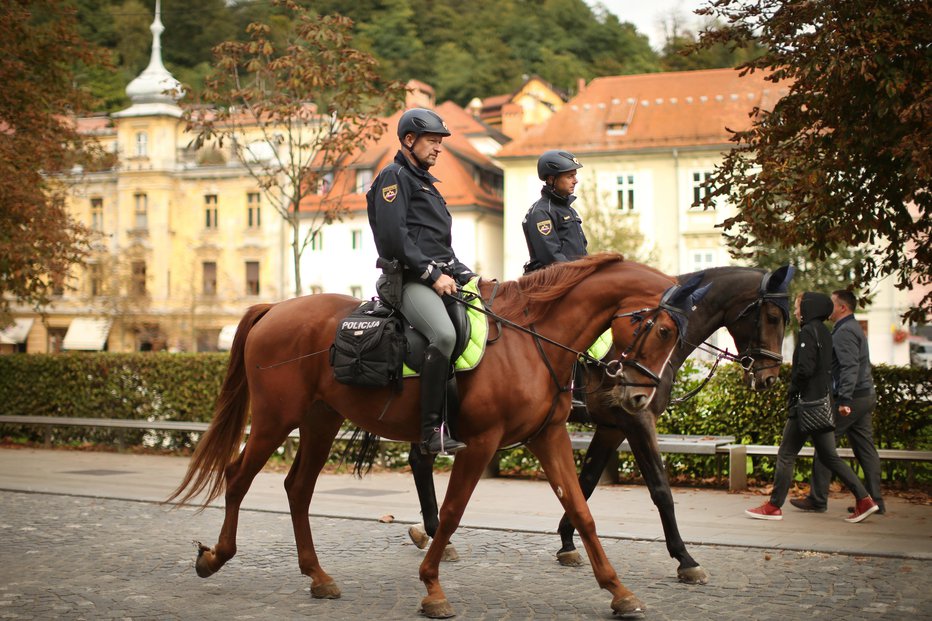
815,416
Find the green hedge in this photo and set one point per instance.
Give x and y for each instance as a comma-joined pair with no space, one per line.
145,386
162,386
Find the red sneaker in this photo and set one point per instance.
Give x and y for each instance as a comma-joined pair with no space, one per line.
862,509
766,511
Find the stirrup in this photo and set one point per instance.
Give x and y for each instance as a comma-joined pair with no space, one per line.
448,445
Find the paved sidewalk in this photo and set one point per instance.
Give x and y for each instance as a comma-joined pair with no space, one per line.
620,511
82,536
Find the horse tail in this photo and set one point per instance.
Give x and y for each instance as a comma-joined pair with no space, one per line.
220,443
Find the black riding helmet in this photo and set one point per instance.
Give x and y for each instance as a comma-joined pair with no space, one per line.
554,162
420,121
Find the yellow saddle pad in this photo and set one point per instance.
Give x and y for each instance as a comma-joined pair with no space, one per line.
478,333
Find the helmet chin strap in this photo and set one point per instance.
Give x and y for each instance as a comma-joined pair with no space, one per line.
417,160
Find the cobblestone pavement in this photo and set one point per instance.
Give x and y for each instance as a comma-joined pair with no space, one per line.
67,557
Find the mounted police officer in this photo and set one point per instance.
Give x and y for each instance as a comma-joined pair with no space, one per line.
554,234
411,225
552,228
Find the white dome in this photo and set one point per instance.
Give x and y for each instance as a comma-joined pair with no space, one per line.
151,85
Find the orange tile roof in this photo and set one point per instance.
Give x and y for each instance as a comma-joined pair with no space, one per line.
454,166
654,110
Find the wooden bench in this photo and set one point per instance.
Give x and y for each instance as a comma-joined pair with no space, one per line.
738,454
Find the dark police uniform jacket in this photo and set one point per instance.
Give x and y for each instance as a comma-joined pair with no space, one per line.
411,223
553,231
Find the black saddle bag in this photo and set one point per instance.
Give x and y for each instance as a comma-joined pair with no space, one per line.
369,347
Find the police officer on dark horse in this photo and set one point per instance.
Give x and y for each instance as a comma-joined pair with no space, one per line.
411,225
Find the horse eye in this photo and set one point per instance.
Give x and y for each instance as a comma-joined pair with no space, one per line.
664,333
773,319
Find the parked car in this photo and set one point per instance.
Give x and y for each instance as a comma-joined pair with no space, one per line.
920,355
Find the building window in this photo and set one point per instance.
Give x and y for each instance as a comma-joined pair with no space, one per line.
142,144
141,210
254,214
96,280
138,277
701,260
356,291
625,190
317,241
210,211
56,336
363,180
357,239
97,214
700,192
252,278
210,277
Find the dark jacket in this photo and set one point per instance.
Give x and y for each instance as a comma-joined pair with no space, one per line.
411,223
851,364
811,377
553,230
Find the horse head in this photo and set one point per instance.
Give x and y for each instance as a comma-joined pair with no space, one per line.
759,328
646,338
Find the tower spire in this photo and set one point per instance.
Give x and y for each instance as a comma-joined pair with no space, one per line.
151,85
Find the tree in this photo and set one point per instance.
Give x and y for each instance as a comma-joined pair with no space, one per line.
39,241
607,229
843,159
295,116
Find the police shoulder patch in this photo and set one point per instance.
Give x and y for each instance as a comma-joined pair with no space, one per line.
389,192
545,227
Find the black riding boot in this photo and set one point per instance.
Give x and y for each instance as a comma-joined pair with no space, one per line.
435,436
579,413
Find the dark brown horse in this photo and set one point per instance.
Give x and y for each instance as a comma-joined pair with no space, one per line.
753,305
517,394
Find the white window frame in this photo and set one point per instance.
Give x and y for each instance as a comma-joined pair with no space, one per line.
626,192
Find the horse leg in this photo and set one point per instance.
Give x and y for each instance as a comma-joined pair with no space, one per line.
605,441
555,453
316,439
422,468
238,476
467,470
643,440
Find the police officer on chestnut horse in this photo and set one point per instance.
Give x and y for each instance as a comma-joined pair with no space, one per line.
411,225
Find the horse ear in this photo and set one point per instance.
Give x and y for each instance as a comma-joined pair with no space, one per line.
679,296
779,280
696,296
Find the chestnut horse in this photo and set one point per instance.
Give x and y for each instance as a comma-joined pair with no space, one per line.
753,305
279,370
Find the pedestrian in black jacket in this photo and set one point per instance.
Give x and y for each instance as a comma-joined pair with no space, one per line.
811,380
855,400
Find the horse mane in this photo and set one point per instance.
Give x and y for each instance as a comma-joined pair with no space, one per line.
527,299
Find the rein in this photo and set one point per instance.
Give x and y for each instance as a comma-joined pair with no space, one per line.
746,358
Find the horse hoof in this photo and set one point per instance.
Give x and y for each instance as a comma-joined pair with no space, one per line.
628,605
200,565
440,609
449,554
693,575
328,590
418,536
570,559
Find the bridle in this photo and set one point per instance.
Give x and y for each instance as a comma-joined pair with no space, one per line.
748,357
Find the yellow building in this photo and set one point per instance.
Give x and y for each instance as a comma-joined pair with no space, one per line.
185,243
